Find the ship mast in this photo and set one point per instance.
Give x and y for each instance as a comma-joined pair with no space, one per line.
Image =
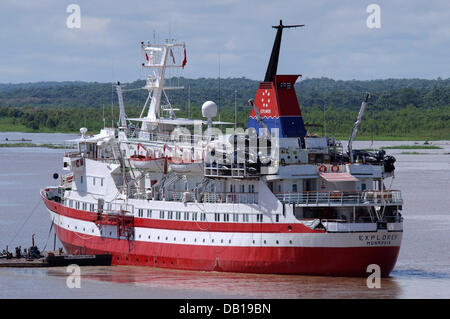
156,61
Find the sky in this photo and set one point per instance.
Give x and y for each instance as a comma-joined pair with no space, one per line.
226,38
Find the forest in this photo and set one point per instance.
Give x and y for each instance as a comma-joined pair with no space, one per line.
398,108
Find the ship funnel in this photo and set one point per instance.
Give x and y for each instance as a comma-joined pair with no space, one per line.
276,104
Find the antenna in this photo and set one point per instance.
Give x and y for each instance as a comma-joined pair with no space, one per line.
103,109
189,100
219,83
273,62
235,109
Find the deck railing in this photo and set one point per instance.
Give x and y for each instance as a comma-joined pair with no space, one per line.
342,198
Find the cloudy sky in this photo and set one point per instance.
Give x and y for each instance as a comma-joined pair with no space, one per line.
37,45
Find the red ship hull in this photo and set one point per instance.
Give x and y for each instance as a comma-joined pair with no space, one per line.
332,261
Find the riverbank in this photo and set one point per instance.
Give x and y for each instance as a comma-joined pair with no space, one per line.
54,146
419,138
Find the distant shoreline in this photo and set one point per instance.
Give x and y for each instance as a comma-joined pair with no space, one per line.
26,144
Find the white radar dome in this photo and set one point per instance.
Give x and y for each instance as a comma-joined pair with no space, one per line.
83,131
209,109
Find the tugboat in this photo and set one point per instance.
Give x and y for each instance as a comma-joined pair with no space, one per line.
269,199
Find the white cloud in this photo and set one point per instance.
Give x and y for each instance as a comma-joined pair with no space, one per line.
412,41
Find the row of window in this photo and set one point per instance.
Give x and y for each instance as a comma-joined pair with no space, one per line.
172,215
251,188
174,239
94,180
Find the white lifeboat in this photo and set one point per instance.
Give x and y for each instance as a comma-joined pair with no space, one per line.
146,162
180,165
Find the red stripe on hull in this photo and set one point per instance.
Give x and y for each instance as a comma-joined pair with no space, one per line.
188,225
352,261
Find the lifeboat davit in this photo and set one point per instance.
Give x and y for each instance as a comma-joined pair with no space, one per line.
147,163
180,165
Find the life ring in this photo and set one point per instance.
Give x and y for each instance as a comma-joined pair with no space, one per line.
322,169
335,169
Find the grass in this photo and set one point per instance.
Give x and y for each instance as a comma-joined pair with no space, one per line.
414,153
54,146
412,147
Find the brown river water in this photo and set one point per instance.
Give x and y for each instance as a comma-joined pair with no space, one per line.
422,269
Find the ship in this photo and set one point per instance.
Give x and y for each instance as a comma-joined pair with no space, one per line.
180,193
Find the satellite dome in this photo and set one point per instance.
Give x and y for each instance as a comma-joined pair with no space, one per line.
83,131
209,109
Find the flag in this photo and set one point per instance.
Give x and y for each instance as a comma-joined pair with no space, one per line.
146,56
184,60
171,54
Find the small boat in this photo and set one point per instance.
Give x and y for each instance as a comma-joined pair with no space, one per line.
146,162
80,260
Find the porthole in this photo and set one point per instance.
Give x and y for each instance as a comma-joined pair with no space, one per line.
158,237
264,242
277,242
221,241
148,236
290,242
174,239
212,240
229,241
253,241
203,239
139,236
167,238
184,239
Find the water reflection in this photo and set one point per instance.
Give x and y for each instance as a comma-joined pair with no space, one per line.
215,284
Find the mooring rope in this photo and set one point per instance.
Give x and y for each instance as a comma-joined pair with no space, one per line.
49,233
26,220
